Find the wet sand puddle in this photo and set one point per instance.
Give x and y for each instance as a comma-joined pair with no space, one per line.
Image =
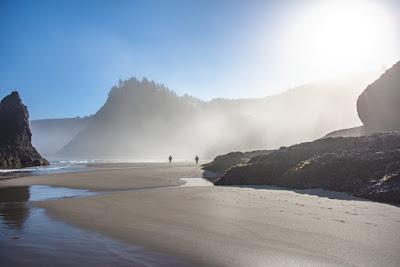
28,237
195,182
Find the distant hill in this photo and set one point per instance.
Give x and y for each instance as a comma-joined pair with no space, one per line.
350,132
50,135
145,120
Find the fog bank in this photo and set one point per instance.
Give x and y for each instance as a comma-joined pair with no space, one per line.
143,120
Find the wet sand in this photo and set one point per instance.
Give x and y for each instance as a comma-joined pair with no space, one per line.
228,226
28,237
116,176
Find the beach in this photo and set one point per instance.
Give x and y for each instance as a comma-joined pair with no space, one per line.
145,205
115,176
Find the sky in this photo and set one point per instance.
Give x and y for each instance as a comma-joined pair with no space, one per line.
64,56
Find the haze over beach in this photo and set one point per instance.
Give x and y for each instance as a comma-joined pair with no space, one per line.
200,133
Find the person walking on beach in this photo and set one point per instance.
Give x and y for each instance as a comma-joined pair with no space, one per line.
197,159
170,159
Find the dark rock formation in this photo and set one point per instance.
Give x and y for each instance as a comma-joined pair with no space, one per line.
16,150
366,166
224,162
379,105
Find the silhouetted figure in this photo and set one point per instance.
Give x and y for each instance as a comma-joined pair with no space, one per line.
170,159
197,159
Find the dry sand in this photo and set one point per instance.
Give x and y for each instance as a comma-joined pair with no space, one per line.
228,226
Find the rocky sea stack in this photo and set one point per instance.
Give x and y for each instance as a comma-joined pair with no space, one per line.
379,105
16,150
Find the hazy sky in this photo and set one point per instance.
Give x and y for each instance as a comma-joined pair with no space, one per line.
64,56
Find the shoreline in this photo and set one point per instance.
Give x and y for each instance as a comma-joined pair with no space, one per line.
115,178
225,226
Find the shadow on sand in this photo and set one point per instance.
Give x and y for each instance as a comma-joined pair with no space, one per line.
313,192
211,176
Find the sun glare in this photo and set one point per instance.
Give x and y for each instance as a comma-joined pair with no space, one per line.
331,38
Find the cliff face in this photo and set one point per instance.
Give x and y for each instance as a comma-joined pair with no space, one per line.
379,105
16,150
366,166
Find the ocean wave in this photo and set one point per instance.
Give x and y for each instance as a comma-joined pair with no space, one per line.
75,161
32,169
53,168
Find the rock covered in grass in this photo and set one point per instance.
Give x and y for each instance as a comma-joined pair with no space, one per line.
366,166
224,162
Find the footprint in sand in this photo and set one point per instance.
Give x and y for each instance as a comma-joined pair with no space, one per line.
336,220
351,213
373,224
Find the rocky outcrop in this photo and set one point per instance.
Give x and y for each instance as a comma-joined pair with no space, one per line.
16,150
224,162
366,166
379,105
